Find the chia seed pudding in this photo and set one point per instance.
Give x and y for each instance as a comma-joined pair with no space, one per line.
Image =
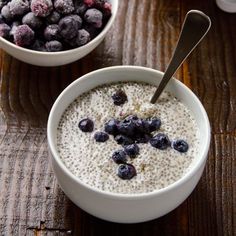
91,160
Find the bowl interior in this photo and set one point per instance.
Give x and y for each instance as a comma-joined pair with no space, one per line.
130,73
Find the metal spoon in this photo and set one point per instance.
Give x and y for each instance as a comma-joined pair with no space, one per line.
195,27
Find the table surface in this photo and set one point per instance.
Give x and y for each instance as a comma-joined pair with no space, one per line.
145,33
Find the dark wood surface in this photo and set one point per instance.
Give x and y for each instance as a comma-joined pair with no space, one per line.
144,33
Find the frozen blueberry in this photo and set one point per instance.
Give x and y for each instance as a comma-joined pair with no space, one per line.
32,21
152,124
69,26
19,7
80,8
132,150
180,145
64,6
53,18
92,30
5,12
111,126
95,3
41,8
126,127
4,30
126,171
106,9
89,3
23,36
123,140
101,137
160,141
3,3
52,32
53,46
14,25
93,17
119,157
82,38
119,97
86,125
1,19
39,45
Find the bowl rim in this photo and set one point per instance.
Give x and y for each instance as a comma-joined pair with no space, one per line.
133,196
74,50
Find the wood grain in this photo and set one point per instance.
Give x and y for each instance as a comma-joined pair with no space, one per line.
144,33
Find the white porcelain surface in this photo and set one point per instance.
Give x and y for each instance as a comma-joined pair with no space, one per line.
57,58
127,208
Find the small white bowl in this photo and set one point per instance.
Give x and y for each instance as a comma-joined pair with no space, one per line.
58,58
127,208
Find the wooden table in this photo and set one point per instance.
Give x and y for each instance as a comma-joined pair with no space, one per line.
144,33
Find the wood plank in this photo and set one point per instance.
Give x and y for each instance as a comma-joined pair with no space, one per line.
212,67
144,33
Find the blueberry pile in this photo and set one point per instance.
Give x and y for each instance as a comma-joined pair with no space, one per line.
129,132
52,25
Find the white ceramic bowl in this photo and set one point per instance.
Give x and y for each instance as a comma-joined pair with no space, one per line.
57,58
127,208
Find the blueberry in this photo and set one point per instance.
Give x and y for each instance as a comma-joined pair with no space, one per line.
126,127
53,18
39,45
119,97
93,17
32,21
64,6
53,46
19,7
82,38
180,145
80,8
4,30
86,125
152,124
139,126
142,138
160,141
126,171
101,137
52,32
24,36
123,140
111,126
119,157
69,26
132,150
5,12
41,8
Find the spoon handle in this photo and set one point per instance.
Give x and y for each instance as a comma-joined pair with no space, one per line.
195,27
